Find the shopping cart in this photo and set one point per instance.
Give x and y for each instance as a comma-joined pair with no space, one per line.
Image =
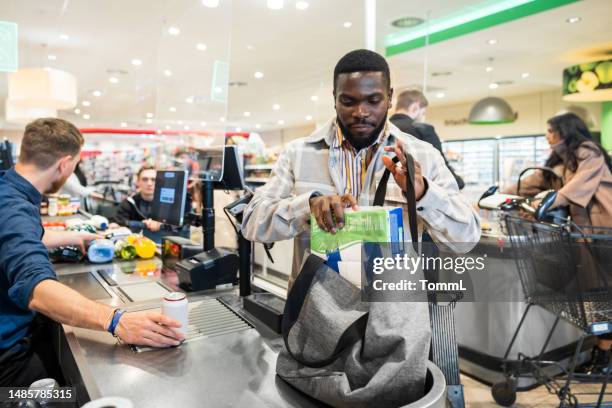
567,270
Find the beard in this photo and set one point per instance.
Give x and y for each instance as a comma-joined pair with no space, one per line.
56,185
360,142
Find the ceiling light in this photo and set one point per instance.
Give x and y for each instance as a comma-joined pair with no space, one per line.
172,109
123,124
573,20
149,120
525,75
113,80
51,57
180,122
276,106
281,122
275,4
97,94
149,115
64,37
407,22
308,117
86,103
489,69
238,129
186,127
167,127
77,111
86,116
250,47
491,111
167,72
174,31
201,47
136,62
301,5
203,124
257,126
189,99
258,75
222,119
440,95
210,3
492,41
314,98
347,24
218,89
247,114
493,85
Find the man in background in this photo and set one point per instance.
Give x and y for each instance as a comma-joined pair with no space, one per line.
409,117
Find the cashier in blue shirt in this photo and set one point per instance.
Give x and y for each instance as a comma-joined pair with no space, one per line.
50,150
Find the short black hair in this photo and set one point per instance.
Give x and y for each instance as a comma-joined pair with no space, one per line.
362,61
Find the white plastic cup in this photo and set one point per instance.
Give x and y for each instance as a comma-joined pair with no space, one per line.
175,306
53,206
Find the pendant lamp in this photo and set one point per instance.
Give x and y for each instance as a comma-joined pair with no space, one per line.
491,111
42,88
19,115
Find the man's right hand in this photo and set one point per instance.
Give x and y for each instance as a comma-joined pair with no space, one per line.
148,329
152,225
329,210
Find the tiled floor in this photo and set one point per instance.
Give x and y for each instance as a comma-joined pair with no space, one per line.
478,395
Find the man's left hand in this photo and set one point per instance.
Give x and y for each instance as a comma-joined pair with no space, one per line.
399,170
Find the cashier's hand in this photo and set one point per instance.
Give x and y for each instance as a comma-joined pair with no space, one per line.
329,210
148,328
399,170
152,225
80,239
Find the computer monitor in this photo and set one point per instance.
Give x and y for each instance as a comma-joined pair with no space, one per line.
223,166
169,197
6,155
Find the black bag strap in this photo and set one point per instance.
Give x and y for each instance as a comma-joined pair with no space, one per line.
293,306
381,192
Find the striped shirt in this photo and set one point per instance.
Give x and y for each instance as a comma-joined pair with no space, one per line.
353,164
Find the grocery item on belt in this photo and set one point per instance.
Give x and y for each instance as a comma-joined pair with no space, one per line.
124,250
134,245
99,222
101,251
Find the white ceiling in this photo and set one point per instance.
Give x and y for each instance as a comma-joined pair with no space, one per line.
296,50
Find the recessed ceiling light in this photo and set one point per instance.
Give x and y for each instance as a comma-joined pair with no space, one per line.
136,62
440,95
180,122
492,41
525,75
86,116
113,80
301,5
347,24
222,119
309,117
149,120
172,109
210,3
573,20
85,103
51,57
167,72
123,124
186,127
203,124
258,75
281,122
493,85
167,127
314,98
201,47
77,111
238,129
149,115
489,69
275,4
276,106
64,37
218,89
247,114
174,31
97,93
189,99
250,47
406,22
257,126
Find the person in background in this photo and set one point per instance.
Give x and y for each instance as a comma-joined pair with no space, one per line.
409,117
76,186
29,288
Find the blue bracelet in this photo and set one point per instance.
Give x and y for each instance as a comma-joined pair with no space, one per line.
115,321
